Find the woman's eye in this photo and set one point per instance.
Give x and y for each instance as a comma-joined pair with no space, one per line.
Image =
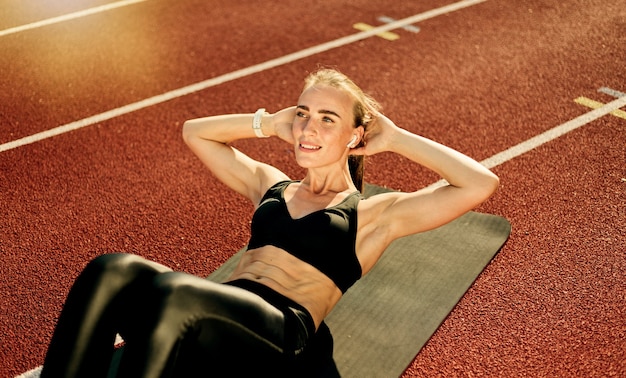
327,120
300,114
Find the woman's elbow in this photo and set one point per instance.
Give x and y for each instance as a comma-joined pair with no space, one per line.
187,131
490,183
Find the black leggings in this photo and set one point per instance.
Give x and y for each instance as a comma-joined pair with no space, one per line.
176,324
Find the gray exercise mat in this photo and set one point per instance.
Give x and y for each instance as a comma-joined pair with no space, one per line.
383,321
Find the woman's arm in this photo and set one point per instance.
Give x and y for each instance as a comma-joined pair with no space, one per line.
209,139
401,214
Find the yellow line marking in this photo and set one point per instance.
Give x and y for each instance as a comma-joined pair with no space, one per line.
596,105
386,34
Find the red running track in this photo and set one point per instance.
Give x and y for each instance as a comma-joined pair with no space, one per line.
481,79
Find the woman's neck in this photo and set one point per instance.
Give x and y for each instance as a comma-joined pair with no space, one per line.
324,182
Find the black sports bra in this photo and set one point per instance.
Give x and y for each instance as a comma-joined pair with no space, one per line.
324,239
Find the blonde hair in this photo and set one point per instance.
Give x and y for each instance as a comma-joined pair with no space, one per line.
365,110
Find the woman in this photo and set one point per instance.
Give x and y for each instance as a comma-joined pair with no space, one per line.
306,247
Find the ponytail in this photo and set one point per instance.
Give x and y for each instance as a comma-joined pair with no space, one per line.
356,164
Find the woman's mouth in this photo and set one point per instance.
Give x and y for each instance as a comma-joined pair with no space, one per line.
309,147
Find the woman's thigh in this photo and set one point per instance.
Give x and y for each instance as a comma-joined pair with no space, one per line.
191,323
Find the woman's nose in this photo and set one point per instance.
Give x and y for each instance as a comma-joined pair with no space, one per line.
310,126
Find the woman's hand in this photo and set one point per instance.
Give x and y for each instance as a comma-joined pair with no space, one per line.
282,122
378,137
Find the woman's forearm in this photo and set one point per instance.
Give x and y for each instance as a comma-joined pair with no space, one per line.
227,128
456,168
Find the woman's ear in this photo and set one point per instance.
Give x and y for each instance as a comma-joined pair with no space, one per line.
359,133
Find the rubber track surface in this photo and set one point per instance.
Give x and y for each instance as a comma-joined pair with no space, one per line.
481,79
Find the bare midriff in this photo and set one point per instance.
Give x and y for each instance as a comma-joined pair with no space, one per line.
291,277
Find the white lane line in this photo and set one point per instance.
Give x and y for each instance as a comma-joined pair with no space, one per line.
34,373
545,137
611,92
67,17
409,28
236,75
553,133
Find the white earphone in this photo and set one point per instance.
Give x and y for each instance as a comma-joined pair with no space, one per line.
352,141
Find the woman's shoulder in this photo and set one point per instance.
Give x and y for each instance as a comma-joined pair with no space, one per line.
281,184
277,188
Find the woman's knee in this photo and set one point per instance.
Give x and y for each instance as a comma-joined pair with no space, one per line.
125,267
112,262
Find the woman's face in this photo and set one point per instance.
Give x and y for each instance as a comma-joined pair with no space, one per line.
323,126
